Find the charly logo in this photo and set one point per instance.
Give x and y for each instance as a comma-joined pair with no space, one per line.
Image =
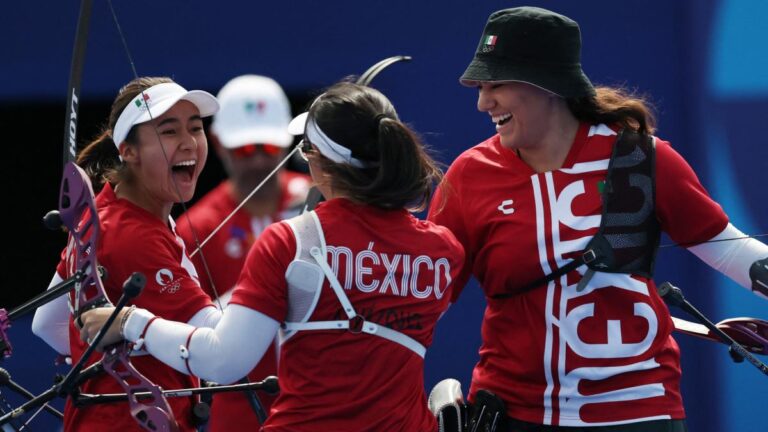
489,43
506,207
164,278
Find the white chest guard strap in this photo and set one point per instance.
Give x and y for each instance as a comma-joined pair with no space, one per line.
305,277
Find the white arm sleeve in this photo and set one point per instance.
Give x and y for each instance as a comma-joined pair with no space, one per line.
51,321
732,257
222,354
206,317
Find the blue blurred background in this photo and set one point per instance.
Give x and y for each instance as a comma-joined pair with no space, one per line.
704,64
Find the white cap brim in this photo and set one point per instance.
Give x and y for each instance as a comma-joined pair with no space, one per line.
205,102
162,97
256,135
297,125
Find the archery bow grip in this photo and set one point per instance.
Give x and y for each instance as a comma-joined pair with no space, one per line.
758,274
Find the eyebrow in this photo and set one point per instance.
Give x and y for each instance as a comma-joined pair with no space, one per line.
176,120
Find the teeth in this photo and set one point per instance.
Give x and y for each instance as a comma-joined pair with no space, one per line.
500,118
186,163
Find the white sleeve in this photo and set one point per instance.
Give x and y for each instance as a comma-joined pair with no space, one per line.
222,354
206,317
51,321
732,258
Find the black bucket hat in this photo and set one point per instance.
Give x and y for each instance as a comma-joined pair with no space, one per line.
531,45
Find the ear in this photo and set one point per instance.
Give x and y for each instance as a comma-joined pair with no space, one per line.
129,153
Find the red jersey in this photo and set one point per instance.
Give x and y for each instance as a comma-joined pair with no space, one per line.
134,240
555,355
396,271
225,255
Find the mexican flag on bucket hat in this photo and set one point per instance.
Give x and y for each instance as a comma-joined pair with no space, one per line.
531,45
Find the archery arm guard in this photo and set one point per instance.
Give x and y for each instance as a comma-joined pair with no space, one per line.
758,273
446,402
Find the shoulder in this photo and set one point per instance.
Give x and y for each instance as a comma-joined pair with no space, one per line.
441,235
668,160
130,233
277,236
484,152
274,248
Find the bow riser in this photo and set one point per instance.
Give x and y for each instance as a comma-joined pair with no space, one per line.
153,413
78,211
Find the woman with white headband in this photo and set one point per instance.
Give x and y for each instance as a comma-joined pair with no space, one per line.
355,287
147,159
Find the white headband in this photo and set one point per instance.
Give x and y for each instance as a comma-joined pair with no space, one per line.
329,148
154,102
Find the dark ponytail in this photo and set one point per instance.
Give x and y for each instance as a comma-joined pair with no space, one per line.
100,158
399,172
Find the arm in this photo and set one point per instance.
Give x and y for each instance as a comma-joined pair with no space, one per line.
222,354
51,321
734,258
231,349
446,210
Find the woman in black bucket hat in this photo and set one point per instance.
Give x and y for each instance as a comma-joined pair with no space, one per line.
560,214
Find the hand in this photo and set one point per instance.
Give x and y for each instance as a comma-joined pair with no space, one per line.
94,319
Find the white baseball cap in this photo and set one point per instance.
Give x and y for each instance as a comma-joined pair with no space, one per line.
154,102
254,110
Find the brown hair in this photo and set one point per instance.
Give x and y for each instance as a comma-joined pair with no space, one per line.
400,172
615,106
100,158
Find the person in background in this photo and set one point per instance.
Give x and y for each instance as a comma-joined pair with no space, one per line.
250,136
560,213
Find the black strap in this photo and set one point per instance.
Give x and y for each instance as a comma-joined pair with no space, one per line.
588,256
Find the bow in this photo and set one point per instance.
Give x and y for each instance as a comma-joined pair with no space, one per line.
79,215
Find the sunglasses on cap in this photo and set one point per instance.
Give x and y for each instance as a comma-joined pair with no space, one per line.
251,149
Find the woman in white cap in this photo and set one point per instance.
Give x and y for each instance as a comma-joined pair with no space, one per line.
147,159
560,214
356,286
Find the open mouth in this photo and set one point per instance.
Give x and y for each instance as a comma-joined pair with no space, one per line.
184,169
502,119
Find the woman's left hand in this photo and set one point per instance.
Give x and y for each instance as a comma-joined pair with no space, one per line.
94,319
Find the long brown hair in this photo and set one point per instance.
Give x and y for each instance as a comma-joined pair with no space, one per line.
400,172
100,158
612,105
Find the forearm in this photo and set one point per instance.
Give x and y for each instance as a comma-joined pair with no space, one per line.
732,257
51,321
222,354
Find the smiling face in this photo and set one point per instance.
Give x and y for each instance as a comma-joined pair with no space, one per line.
166,163
521,112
